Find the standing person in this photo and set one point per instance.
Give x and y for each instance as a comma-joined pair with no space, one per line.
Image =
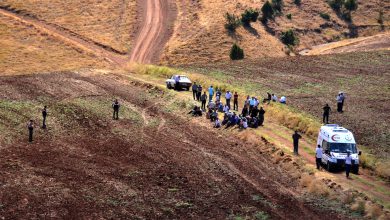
269,97
348,164
296,138
340,102
252,103
218,94
211,92
30,127
44,115
318,156
199,92
177,82
203,99
194,90
261,116
115,106
325,117
235,101
228,97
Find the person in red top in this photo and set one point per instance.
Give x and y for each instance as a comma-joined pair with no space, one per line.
235,101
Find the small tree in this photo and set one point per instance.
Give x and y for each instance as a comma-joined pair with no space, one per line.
236,53
289,38
267,11
336,4
277,5
297,2
350,5
250,15
380,17
232,22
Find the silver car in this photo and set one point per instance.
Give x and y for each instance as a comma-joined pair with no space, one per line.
184,82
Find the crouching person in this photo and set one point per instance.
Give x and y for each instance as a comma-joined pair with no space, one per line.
217,123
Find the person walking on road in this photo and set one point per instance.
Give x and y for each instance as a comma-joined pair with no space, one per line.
177,82
211,92
340,102
318,156
194,90
325,116
235,101
30,127
228,97
203,99
115,106
44,115
348,164
296,138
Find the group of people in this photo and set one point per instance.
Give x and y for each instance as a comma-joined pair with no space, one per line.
340,104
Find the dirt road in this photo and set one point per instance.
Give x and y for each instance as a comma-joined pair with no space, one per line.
155,29
154,33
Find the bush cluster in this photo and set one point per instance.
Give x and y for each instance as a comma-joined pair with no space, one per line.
236,53
232,22
289,38
268,12
250,15
325,16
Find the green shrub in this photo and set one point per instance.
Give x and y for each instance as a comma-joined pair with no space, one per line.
336,4
289,38
250,15
236,53
232,22
380,17
289,16
350,5
325,16
277,5
297,2
267,11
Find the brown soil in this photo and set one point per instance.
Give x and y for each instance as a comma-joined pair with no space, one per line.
87,165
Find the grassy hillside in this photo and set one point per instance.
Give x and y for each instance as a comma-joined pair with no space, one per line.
200,35
27,50
111,23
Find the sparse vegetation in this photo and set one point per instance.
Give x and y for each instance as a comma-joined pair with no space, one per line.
250,15
277,5
232,22
236,53
289,16
325,16
289,38
267,11
297,2
336,4
261,216
350,5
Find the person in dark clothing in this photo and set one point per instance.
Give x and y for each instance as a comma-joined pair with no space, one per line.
340,102
196,111
115,106
232,121
177,83
213,116
261,116
269,97
318,156
255,112
30,127
325,116
203,99
235,101
348,164
199,92
194,90
296,138
44,115
245,111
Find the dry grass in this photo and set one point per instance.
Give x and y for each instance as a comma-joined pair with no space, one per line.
372,211
200,35
25,50
109,22
359,206
383,169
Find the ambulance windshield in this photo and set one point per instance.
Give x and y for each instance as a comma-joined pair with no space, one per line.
343,148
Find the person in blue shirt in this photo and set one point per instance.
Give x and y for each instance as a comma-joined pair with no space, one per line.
211,92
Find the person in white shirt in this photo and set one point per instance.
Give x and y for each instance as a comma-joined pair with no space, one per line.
228,97
217,123
348,164
226,109
283,100
318,156
274,98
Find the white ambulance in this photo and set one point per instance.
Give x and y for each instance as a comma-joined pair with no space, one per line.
336,142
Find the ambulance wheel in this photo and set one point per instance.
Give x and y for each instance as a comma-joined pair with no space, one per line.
329,167
169,86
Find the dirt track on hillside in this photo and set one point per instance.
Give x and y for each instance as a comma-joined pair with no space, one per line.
87,165
155,29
